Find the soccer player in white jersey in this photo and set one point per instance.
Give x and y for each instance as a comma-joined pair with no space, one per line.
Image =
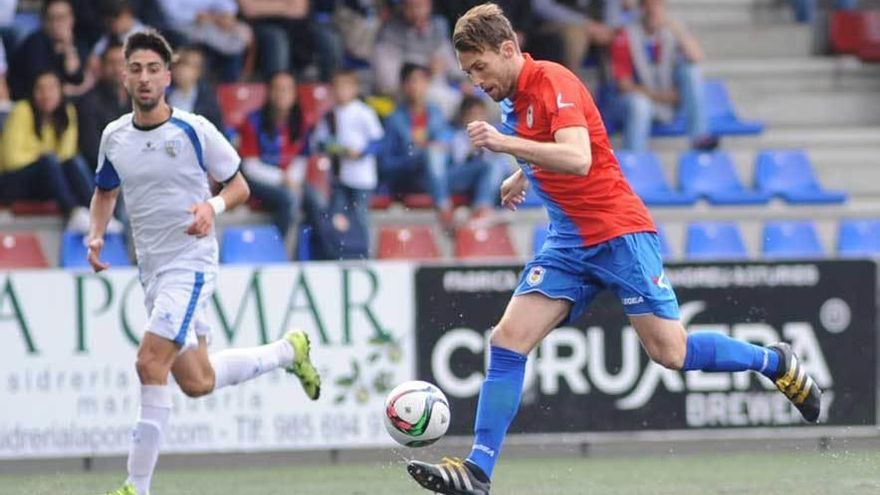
162,157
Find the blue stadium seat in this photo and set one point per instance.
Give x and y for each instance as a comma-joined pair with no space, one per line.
791,239
789,174
252,244
539,236
858,238
645,175
713,175
715,241
74,251
723,120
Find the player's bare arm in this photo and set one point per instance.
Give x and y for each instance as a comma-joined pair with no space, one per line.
568,154
100,210
234,193
513,190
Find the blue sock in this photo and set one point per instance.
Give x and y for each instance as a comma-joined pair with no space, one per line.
499,401
712,351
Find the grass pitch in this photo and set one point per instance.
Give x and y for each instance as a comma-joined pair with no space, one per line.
804,473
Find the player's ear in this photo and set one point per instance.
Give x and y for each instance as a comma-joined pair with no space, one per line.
508,49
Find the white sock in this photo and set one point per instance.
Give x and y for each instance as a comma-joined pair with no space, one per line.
147,435
233,366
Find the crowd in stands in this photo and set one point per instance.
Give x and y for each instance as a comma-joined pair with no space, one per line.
400,101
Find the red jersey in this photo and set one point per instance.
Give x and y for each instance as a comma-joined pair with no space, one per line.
584,210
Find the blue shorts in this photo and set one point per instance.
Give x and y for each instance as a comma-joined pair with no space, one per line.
629,265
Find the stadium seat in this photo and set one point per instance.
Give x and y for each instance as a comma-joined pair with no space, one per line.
74,251
315,100
34,207
493,242
858,238
237,100
869,46
407,242
791,239
845,33
380,202
789,174
645,175
418,201
252,244
715,241
713,175
723,120
539,235
21,250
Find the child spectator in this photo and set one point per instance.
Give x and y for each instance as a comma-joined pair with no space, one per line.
189,90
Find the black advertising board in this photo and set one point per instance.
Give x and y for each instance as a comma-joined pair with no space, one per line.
592,376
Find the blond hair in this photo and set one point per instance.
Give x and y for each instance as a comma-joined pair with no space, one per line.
482,27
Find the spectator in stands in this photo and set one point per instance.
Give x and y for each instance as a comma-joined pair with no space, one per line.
580,23
4,88
40,156
476,173
104,103
416,143
351,135
654,64
51,48
211,23
288,37
189,90
274,148
119,18
413,36
358,23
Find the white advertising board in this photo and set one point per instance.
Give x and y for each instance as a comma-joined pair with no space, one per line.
68,343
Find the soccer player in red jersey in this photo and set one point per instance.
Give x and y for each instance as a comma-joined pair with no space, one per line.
601,237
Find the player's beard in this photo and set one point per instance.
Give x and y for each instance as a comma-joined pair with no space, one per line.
148,105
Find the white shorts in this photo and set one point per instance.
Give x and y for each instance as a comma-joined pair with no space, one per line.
176,302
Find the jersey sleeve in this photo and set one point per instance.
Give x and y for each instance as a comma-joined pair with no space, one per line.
221,160
106,177
565,102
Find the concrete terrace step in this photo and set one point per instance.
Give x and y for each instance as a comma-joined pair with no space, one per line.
748,40
826,108
795,74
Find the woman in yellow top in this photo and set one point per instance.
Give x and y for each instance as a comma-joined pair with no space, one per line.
40,157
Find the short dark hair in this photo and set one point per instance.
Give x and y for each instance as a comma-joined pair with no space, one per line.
111,9
48,3
410,68
149,39
112,43
469,102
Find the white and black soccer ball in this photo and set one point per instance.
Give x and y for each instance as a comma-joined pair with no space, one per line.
416,413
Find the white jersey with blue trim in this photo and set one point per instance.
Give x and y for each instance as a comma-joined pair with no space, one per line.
163,170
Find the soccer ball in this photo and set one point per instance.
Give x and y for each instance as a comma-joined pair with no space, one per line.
416,414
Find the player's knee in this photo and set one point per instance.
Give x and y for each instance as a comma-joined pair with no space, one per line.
196,387
509,337
150,371
669,356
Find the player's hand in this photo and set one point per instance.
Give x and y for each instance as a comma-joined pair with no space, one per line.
513,191
484,135
203,220
95,246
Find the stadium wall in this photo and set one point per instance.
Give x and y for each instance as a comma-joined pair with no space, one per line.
68,342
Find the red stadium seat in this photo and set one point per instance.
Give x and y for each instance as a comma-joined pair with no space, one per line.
414,242
315,100
418,201
869,50
237,100
492,242
380,202
21,250
846,31
32,207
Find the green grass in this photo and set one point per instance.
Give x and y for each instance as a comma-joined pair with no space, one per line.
807,473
